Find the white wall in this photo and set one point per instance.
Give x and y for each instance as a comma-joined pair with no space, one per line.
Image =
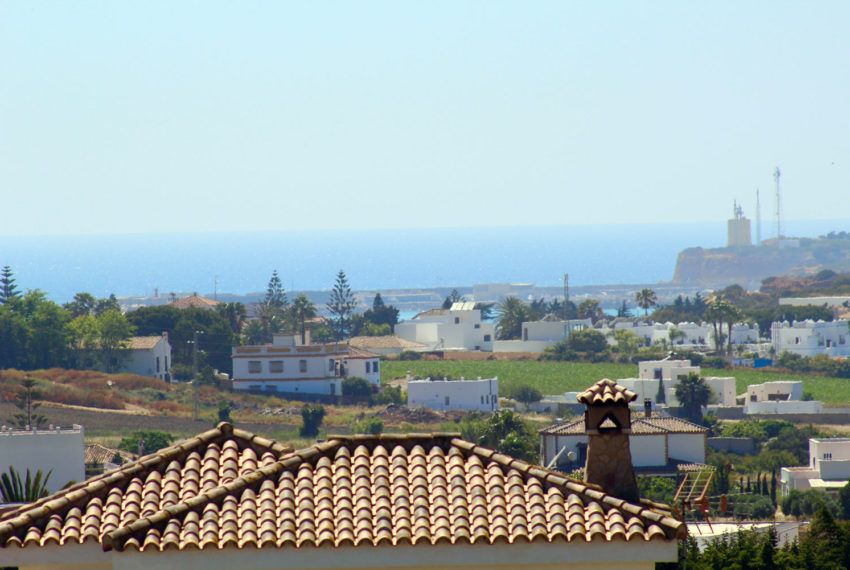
522,346
669,369
481,395
722,390
810,338
356,368
648,450
62,452
686,447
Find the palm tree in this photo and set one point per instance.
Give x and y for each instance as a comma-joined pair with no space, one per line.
235,314
510,315
303,309
717,313
14,489
693,393
646,298
590,309
254,332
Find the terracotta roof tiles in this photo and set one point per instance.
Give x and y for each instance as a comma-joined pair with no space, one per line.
227,488
604,392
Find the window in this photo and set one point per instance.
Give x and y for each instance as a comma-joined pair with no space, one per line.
457,320
302,366
482,399
375,367
753,398
166,363
477,347
478,326
368,367
827,457
157,365
486,338
447,400
276,366
331,365
333,389
796,340
271,388
255,367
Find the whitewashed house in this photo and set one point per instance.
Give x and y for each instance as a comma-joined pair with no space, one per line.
539,335
54,449
828,468
481,395
148,356
457,328
811,338
656,442
779,397
289,367
651,373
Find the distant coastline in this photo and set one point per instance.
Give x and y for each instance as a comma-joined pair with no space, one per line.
139,265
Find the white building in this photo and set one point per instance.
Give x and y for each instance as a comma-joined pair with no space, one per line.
57,450
780,397
149,356
290,367
443,394
457,328
810,338
539,335
828,468
656,442
670,373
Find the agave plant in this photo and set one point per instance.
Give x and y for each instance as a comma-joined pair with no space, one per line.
14,489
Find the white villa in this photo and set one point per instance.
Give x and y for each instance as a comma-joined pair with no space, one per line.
687,335
539,335
480,395
670,372
149,356
656,442
810,338
289,366
828,468
60,450
779,397
457,328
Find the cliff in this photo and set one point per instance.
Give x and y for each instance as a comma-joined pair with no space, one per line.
748,266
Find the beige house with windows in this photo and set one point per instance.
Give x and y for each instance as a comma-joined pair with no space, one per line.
230,499
290,366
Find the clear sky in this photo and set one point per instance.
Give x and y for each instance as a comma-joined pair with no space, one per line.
191,116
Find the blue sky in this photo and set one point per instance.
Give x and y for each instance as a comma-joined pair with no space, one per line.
192,116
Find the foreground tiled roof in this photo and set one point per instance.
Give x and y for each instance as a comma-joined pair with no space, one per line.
219,491
606,391
641,425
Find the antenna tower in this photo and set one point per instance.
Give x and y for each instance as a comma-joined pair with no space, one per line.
776,175
566,293
758,218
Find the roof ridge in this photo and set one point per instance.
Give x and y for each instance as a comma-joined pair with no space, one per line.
586,490
118,538
65,499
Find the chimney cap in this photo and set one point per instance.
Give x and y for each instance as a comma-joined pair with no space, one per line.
606,392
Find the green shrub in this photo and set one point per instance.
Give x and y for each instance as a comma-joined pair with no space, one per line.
151,442
389,395
311,419
410,355
525,394
371,426
356,387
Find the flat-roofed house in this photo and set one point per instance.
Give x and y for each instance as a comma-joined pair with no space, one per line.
229,499
290,366
457,328
828,468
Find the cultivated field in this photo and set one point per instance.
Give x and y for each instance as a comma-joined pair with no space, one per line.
560,377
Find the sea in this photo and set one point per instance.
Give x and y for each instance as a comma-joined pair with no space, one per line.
241,262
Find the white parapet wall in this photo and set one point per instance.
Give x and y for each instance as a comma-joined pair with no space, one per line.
59,451
784,407
472,395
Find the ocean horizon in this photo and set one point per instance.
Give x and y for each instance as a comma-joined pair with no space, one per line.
137,264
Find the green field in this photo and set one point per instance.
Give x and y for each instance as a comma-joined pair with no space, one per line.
560,377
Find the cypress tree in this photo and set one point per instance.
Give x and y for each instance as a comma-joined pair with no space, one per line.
749,485
660,398
773,487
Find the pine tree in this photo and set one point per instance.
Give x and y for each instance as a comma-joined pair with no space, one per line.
275,294
341,306
378,302
8,289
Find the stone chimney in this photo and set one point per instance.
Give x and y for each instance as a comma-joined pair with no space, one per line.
608,423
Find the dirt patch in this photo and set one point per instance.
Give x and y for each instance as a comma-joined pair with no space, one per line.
397,414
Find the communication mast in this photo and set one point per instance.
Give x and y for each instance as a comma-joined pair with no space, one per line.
776,175
566,293
758,218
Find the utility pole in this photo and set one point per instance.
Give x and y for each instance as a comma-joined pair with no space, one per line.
215,288
776,175
566,293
